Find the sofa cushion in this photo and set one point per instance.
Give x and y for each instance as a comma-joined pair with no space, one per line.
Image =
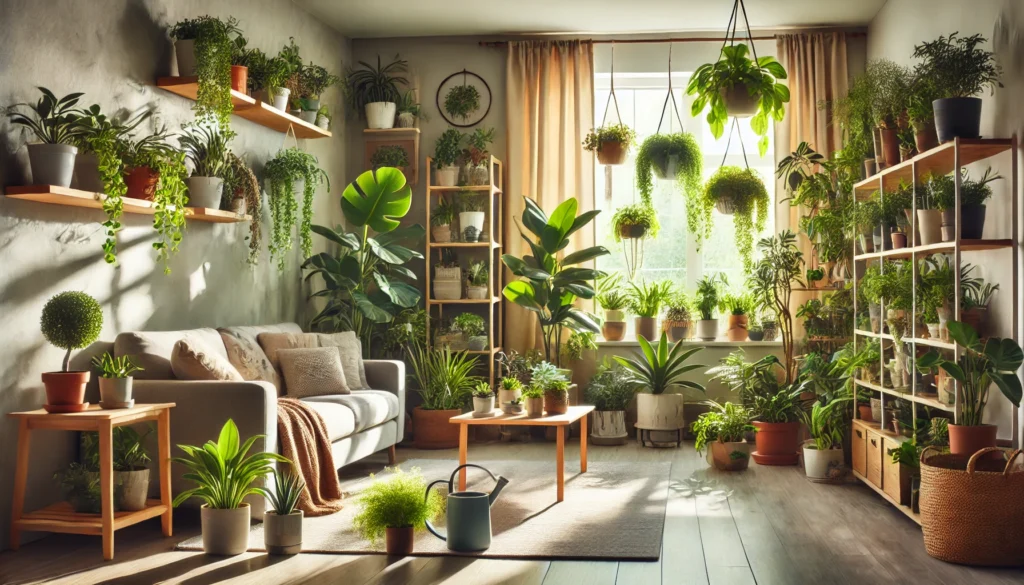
351,357
152,349
338,418
192,360
312,371
248,357
271,342
370,407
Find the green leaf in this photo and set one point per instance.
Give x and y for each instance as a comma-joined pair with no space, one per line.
1009,383
400,293
534,218
585,255
370,310
412,234
954,370
227,442
563,216
1004,354
345,240
964,335
523,294
378,199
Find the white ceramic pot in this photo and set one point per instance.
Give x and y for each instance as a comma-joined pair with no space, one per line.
660,412
280,97
205,192
476,292
225,532
817,464
87,173
406,120
115,392
52,164
185,53
933,330
483,406
282,533
446,176
323,122
380,115
608,427
478,343
707,329
507,396
134,488
471,225
929,225
308,116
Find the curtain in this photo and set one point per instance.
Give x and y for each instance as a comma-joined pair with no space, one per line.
550,97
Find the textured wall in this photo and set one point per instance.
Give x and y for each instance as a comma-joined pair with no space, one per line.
113,50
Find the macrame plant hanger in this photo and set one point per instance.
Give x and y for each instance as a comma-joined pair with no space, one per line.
729,207
632,248
290,133
671,95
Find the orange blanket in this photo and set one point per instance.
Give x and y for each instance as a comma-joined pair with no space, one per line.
303,437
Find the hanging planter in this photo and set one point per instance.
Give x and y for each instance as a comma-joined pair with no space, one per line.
735,191
290,173
669,156
611,143
636,221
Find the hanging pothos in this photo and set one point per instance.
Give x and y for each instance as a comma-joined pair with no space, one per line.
669,156
214,43
289,166
736,190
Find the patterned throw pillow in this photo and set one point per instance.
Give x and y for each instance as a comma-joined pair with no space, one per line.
351,357
273,342
312,372
190,360
249,359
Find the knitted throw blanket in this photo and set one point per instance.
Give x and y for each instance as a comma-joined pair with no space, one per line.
303,437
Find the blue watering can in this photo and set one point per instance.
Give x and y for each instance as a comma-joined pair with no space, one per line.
469,514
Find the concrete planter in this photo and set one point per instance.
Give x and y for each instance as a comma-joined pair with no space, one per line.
87,173
406,120
819,464
205,192
282,533
308,116
507,396
52,164
478,343
707,329
225,532
380,115
185,53
483,407
446,176
660,412
929,225
476,292
534,406
608,427
115,392
134,488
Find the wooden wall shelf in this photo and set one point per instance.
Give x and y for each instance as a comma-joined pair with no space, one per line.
249,108
55,195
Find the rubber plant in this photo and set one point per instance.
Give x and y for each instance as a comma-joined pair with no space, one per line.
636,218
749,201
282,171
659,152
389,155
214,47
367,282
461,101
735,70
239,178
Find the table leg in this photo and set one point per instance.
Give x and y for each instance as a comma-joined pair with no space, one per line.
463,449
164,465
20,477
583,444
107,487
560,461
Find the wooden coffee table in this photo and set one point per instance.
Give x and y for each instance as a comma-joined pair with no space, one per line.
559,421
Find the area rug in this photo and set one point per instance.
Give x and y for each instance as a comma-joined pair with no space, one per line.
614,511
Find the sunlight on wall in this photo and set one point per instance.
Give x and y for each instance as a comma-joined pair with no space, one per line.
197,281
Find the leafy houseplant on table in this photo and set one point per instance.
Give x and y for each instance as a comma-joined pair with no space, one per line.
961,70
394,507
707,301
207,149
372,92
823,453
549,280
390,155
471,215
56,125
225,473
735,191
115,380
635,221
441,219
669,156
678,322
645,300
446,381
204,47
477,157
461,101
610,391
611,143
740,307
995,362
533,400
447,151
410,110
131,475
483,400
554,384
313,81
289,172
282,527
473,327
612,300
479,279
70,320
723,429
509,389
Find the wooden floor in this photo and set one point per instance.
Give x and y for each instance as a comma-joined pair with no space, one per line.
767,525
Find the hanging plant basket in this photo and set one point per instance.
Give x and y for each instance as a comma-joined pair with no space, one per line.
632,232
612,153
732,191
738,101
635,221
669,156
726,205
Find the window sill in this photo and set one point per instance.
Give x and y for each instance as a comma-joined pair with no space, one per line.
695,342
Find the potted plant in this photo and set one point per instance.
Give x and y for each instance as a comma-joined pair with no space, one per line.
723,429
677,323
611,143
473,328
645,300
613,300
635,221
533,398
268,79
669,156
71,320
974,301
980,366
706,302
225,473
816,277
823,453
282,526
288,173
610,390
115,380
479,280
891,84
204,47
509,389
241,57
923,92
736,86
755,332
372,92
735,191
461,101
960,70
447,151
55,123
323,117
471,215
441,219
409,110
554,384
477,158
447,277
973,195
242,195
929,217
313,81
514,407
390,155
207,149
776,411
394,507
771,281
131,475
80,487
739,306
483,400
446,381
286,97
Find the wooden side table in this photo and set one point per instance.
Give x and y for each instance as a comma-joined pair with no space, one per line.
60,517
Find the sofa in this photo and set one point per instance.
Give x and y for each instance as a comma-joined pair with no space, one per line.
359,424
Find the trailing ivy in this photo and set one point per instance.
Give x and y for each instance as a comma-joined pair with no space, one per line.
169,204
240,178
750,200
214,46
282,171
662,150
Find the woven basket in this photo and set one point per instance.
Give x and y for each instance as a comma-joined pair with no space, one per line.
447,273
447,290
971,508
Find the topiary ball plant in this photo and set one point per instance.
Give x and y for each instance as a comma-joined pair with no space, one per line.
71,320
669,156
735,190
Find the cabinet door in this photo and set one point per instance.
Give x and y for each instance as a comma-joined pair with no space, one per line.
895,479
874,456
859,446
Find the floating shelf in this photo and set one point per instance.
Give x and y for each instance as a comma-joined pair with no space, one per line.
930,402
938,248
491,300
491,351
390,131
939,160
249,108
55,195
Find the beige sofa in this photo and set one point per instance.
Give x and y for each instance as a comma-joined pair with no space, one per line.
359,424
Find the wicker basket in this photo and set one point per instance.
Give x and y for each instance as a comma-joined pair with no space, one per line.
447,290
447,273
971,508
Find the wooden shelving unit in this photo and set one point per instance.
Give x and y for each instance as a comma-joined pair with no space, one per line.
55,195
491,249
249,108
943,159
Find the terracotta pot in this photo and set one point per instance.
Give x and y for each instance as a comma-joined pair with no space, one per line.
722,455
65,391
899,240
612,153
141,182
398,541
647,327
964,440
613,330
737,328
865,412
240,78
925,137
431,429
777,443
556,402
890,146
632,232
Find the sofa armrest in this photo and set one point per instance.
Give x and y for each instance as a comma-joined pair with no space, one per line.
389,375
201,410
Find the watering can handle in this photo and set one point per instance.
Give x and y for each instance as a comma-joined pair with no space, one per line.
430,526
451,481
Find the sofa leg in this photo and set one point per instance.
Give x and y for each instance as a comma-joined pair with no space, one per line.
391,455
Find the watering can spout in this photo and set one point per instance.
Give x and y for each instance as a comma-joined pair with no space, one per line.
502,482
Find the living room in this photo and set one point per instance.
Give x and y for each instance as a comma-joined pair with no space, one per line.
339,292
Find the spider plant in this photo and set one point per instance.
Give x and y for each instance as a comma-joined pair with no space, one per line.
658,368
288,487
445,377
370,84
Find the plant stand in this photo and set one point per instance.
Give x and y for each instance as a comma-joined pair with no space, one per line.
60,517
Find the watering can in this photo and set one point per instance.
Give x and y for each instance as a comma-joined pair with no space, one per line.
469,514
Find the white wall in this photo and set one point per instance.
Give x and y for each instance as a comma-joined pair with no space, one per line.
113,50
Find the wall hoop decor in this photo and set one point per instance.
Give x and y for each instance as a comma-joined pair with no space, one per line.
464,99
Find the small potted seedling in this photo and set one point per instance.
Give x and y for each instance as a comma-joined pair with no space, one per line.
816,277
479,278
473,327
116,380
446,158
282,527
509,389
483,400
71,320
441,219
393,507
514,406
533,398
323,118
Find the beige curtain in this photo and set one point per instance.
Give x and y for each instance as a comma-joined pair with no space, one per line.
550,110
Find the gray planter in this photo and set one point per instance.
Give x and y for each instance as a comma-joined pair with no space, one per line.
87,173
115,392
185,53
205,192
52,164
282,533
308,116
225,532
483,407
134,488
707,329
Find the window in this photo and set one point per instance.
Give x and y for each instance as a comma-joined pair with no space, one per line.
673,254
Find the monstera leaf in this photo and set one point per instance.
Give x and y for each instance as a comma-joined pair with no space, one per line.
377,199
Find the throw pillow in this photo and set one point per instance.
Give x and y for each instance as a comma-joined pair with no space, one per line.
312,371
248,358
351,351
272,342
191,360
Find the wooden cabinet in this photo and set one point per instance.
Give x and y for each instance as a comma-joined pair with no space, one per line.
895,479
875,444
858,445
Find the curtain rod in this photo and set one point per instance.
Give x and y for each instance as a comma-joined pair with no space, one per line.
669,40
